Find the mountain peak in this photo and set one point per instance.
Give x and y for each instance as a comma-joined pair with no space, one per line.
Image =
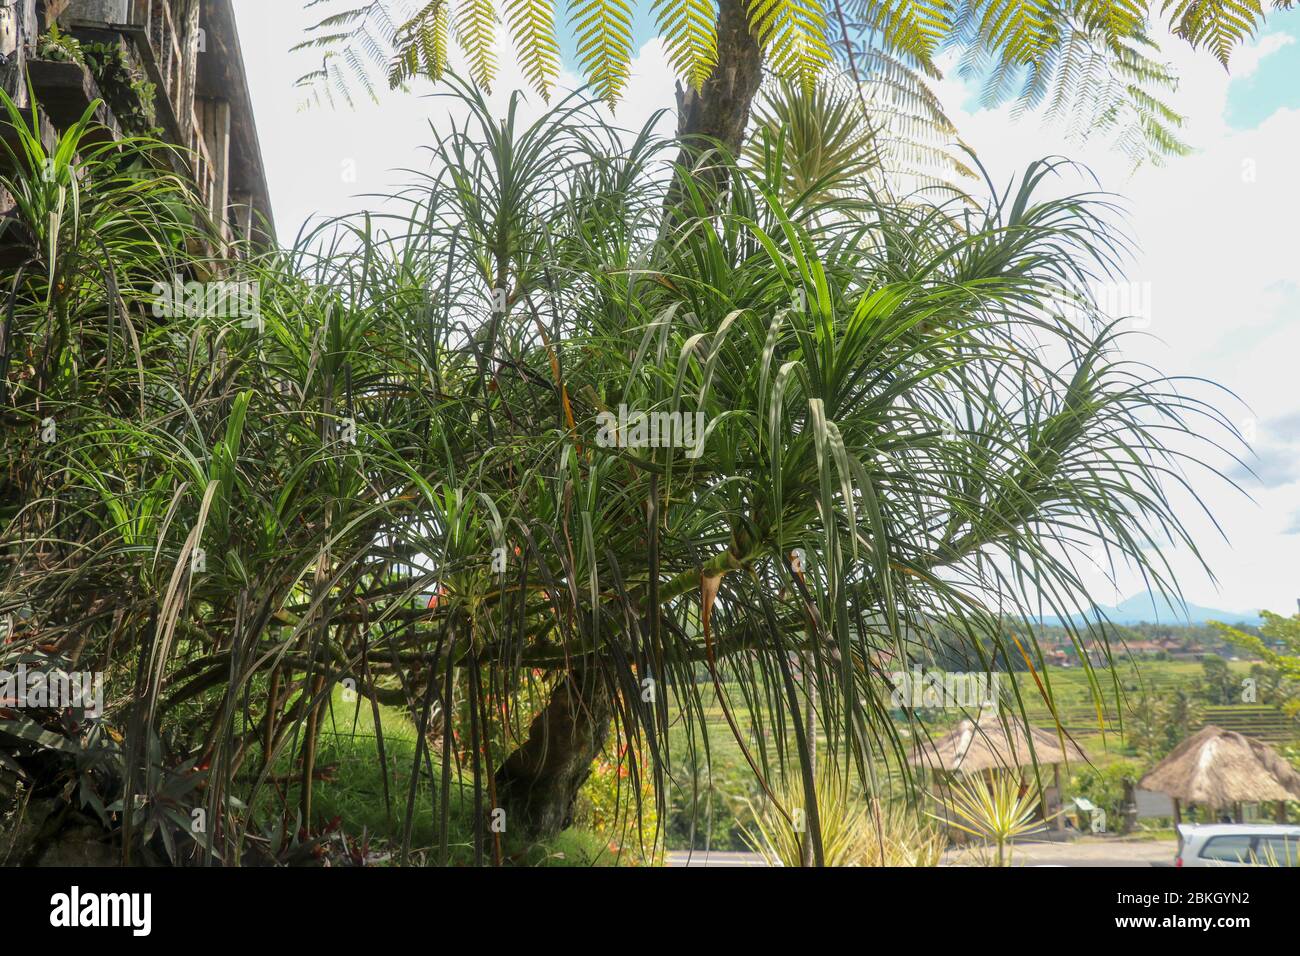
1147,607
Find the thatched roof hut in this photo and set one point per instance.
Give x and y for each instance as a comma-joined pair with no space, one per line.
992,744
1217,768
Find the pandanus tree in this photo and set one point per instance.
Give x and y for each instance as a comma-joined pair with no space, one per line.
426,468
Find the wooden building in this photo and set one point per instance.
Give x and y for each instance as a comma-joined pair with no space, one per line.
1223,769
188,87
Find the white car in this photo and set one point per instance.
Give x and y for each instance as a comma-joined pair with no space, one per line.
1238,844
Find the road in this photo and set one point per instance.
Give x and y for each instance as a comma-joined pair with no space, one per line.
1087,852
714,858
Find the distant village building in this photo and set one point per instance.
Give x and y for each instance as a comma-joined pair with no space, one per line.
1145,648
171,68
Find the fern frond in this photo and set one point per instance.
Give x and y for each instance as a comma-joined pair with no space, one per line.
356,42
421,44
793,35
689,32
476,33
321,42
1115,18
912,27
603,29
1022,28
1217,24
532,24
344,18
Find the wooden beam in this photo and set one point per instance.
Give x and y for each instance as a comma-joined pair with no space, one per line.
65,91
241,216
215,119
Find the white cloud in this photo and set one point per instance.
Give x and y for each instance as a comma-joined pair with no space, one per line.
1216,238
323,160
1245,60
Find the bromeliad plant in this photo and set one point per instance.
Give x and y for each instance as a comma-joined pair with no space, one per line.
780,833
400,474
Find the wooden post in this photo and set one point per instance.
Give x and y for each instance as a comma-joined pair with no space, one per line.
241,216
215,121
17,29
1060,798
1178,816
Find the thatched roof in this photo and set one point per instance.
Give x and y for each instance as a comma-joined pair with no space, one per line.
1219,767
972,747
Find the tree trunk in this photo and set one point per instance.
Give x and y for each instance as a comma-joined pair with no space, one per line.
538,783
810,732
718,115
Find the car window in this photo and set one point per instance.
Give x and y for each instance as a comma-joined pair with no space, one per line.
1279,851
1228,849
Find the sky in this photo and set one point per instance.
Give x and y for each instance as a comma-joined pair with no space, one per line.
1217,236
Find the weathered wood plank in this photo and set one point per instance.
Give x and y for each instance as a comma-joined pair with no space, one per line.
65,91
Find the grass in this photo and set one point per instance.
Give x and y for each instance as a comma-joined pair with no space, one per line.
350,793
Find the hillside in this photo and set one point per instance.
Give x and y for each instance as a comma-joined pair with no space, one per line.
1150,608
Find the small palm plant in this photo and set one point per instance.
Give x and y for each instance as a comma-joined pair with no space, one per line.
781,831
854,832
997,811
